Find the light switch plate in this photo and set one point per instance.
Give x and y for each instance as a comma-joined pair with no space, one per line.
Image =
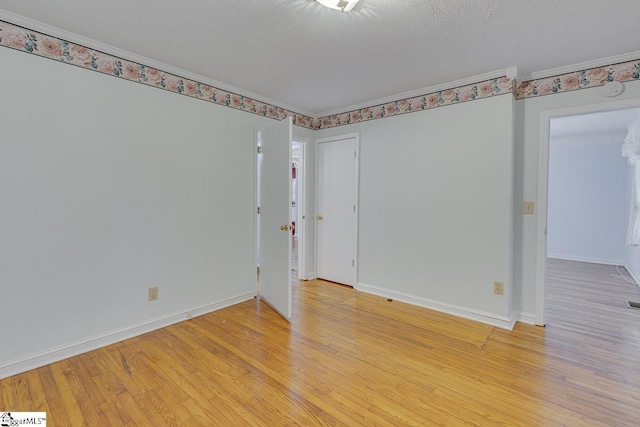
528,208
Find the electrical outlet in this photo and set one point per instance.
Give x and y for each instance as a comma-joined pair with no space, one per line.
153,294
498,288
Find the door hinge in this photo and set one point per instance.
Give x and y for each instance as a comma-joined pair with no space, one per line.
353,263
259,150
258,210
354,154
354,208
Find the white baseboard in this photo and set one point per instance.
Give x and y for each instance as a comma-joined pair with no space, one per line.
467,313
623,263
633,274
586,259
55,354
310,276
528,318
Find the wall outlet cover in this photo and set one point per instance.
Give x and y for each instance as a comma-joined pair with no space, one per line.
153,293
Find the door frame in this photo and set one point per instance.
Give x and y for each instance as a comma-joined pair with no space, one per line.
319,141
543,187
256,197
304,208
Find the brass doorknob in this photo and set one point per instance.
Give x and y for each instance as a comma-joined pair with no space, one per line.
319,217
284,227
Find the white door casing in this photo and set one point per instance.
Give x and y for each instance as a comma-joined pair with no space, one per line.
275,216
543,190
301,220
337,209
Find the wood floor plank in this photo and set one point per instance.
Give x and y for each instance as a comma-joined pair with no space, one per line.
259,368
9,393
36,389
82,390
127,409
349,358
56,415
72,411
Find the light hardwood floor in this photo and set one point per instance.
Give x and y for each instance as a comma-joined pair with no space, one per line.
350,358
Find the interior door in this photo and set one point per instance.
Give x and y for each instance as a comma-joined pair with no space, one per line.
336,217
275,216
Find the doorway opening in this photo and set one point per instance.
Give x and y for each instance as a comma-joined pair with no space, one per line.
584,199
298,210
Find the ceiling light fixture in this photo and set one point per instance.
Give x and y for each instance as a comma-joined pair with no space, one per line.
341,5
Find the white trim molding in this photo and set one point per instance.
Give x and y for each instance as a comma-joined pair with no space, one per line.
527,318
464,312
601,62
65,351
633,275
514,74
586,259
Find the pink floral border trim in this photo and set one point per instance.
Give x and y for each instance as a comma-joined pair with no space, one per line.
592,77
19,38
485,89
36,43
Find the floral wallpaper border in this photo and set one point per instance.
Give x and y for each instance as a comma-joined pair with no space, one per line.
485,89
33,42
36,43
592,77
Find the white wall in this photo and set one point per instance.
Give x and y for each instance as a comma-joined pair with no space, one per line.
109,187
528,138
588,199
436,206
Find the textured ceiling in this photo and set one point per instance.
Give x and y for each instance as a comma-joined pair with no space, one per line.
318,60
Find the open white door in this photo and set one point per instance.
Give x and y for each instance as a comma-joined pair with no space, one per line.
275,216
